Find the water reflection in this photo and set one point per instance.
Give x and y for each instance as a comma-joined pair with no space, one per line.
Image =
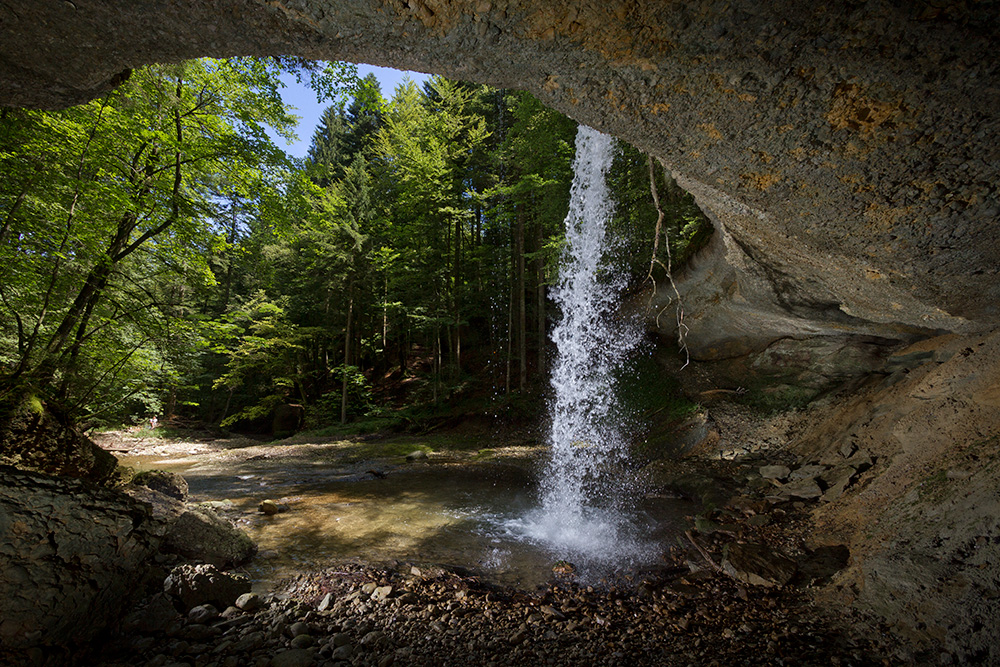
465,515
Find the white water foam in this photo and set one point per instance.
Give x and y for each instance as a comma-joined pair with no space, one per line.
581,518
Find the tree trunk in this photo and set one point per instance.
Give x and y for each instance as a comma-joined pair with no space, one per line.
456,351
540,299
347,353
522,329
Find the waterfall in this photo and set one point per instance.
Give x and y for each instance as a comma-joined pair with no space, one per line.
581,518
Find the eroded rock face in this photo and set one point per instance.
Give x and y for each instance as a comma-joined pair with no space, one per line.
71,555
922,521
846,152
39,438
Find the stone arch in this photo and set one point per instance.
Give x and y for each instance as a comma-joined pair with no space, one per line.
846,151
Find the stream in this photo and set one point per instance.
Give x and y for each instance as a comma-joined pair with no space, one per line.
443,511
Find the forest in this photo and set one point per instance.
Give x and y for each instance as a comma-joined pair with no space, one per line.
161,256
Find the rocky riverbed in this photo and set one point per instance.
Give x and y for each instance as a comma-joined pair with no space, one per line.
401,614
733,587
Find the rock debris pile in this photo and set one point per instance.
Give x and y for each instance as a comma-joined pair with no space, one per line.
399,614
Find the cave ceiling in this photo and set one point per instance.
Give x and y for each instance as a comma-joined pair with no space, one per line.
847,152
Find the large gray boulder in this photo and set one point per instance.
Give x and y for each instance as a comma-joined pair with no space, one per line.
199,533
71,558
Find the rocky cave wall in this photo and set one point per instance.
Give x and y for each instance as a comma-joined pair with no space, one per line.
847,152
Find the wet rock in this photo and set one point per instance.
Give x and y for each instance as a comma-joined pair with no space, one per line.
757,565
202,535
193,585
168,483
268,507
417,455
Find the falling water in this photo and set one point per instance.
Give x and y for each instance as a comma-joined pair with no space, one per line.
581,518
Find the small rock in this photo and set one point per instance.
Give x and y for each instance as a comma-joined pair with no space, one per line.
552,612
417,455
301,641
249,602
408,598
197,632
232,611
203,613
847,449
774,472
371,638
296,629
343,652
268,507
326,602
340,639
382,593
295,657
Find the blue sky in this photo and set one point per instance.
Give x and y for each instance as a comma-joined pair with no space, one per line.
300,96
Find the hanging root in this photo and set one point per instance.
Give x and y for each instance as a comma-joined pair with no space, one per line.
682,329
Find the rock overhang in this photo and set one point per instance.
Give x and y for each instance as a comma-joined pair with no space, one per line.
847,153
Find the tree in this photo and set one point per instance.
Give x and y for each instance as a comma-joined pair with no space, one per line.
122,195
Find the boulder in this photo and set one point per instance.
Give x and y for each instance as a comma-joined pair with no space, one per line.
287,419
72,556
38,437
194,585
201,534
757,565
168,483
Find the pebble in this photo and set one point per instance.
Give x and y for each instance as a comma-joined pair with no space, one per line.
249,602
